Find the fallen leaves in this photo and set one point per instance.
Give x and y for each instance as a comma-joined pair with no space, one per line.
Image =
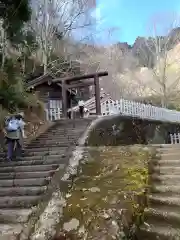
97,203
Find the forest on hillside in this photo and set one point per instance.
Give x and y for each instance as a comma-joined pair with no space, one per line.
145,47
147,70
37,38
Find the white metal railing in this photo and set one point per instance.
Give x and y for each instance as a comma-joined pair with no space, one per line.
175,138
123,107
140,110
54,110
53,114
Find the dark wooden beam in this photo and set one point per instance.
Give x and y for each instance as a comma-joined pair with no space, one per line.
97,95
85,84
81,77
64,99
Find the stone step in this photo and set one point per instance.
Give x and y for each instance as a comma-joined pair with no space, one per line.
10,231
45,153
166,189
167,201
58,137
60,134
22,191
24,182
20,215
73,124
168,156
49,147
168,149
53,139
29,153
160,215
62,143
65,131
44,148
27,175
167,170
38,157
31,168
60,129
158,232
19,201
169,162
35,154
45,161
167,146
164,213
166,179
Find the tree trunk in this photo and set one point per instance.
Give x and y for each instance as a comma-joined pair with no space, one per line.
45,42
164,98
4,47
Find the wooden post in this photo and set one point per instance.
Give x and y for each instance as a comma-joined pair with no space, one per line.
97,95
64,99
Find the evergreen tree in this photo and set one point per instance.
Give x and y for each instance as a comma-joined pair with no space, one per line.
13,93
14,14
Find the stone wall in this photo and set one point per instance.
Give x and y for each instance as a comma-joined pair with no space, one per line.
120,130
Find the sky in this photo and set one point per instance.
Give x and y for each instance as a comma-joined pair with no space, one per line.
133,18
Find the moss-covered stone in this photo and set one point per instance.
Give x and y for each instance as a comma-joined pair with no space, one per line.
123,130
104,198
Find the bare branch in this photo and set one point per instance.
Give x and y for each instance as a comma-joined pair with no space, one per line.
53,21
164,80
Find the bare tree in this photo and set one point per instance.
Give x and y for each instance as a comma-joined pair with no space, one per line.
117,60
165,73
54,22
126,79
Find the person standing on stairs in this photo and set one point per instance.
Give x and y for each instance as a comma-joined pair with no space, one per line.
81,108
69,113
12,135
21,123
14,127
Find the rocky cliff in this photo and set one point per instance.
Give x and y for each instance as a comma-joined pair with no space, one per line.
143,48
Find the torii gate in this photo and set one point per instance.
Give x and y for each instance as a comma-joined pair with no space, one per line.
68,83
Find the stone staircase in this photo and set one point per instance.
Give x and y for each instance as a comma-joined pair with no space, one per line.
163,216
23,183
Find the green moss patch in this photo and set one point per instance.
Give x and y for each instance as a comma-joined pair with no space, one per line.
107,198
